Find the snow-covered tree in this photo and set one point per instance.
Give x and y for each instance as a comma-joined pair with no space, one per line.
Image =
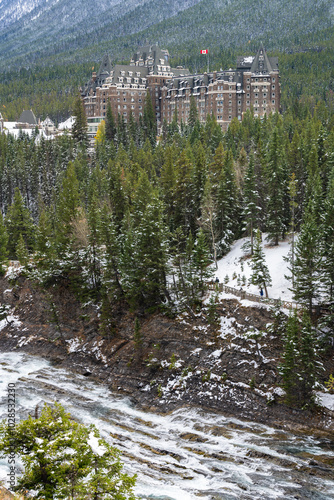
260,273
65,459
301,364
308,262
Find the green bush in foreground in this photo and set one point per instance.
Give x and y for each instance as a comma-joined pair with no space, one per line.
65,459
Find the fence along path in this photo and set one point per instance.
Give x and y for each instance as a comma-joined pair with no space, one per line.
251,296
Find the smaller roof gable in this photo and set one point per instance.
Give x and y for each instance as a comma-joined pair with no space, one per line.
28,116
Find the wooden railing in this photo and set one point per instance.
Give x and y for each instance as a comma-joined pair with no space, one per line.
252,296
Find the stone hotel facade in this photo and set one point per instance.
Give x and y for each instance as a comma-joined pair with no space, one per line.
227,94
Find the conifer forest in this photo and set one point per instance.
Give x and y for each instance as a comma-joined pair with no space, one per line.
134,222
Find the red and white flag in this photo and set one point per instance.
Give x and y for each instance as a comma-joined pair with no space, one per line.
205,51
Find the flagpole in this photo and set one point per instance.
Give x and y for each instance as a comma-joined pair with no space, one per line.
208,62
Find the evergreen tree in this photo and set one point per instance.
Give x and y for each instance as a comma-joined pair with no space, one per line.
67,210
144,259
277,188
200,260
193,114
308,262
260,272
149,121
110,127
328,225
251,203
3,245
300,365
18,221
22,251
208,218
227,205
79,129
65,459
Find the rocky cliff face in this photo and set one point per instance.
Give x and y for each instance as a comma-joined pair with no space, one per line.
229,366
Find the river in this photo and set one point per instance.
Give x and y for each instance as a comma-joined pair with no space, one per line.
187,454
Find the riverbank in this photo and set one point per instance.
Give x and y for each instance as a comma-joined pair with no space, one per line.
230,366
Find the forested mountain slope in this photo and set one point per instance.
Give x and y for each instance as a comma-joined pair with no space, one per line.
48,51
56,27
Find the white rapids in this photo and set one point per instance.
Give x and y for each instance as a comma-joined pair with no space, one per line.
185,455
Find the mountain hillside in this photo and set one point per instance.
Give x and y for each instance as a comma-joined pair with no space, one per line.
39,29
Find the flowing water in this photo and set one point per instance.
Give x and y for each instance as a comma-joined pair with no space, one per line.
187,454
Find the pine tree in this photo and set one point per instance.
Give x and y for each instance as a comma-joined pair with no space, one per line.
328,225
251,207
308,263
149,121
110,127
79,129
193,114
67,212
3,246
227,205
144,259
260,272
208,218
277,188
19,222
65,459
301,366
200,260
22,251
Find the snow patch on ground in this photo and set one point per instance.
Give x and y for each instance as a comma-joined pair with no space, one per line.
235,263
325,399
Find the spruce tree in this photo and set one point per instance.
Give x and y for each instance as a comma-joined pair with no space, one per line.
65,459
149,121
227,205
22,251
277,188
3,246
67,210
301,365
144,259
110,127
308,262
79,129
208,218
250,213
193,114
19,222
260,272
